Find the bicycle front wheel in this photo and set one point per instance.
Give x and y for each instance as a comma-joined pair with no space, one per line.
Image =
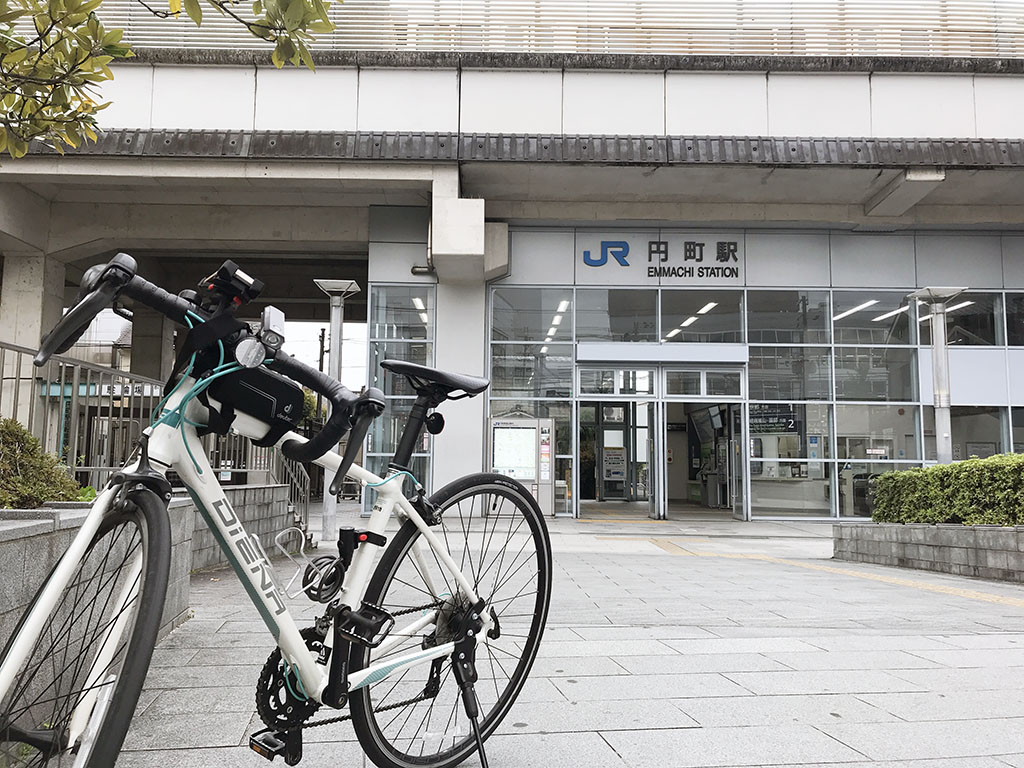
94,648
494,531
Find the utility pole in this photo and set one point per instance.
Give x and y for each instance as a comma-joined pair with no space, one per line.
338,291
938,299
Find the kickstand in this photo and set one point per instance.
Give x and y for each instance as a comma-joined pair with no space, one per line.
473,712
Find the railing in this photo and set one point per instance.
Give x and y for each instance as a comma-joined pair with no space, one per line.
943,28
88,415
91,417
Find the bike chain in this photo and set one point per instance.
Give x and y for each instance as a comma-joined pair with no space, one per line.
397,704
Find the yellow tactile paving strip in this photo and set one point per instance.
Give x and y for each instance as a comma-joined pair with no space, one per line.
675,548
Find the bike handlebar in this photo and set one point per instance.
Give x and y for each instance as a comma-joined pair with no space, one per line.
102,285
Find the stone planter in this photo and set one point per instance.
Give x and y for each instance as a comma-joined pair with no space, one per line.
984,551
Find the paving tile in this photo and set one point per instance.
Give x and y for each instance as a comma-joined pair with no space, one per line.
904,741
993,640
611,648
700,662
811,709
833,681
547,750
579,666
201,677
164,731
881,642
655,632
213,700
740,645
979,679
868,660
648,687
757,745
949,705
976,657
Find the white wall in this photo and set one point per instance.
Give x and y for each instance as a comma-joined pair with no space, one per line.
571,102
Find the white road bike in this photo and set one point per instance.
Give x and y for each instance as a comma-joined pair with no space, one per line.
426,639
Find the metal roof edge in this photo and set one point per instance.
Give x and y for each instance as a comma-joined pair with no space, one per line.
535,148
587,61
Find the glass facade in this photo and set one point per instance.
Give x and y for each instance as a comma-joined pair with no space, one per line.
829,384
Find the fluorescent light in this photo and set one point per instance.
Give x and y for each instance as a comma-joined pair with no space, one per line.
955,307
418,303
688,322
543,350
707,307
887,315
671,333
563,305
424,318
552,331
858,308
556,320
547,339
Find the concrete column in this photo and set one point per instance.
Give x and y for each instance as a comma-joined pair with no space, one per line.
31,302
31,297
152,344
460,345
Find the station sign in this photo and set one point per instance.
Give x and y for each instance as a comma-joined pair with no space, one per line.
669,258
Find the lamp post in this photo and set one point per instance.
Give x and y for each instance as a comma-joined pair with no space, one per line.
338,291
938,298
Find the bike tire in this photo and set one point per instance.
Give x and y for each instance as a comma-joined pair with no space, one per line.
497,688
86,608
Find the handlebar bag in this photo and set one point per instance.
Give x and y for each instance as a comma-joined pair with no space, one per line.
262,394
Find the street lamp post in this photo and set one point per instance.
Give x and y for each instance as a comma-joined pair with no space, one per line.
338,291
938,298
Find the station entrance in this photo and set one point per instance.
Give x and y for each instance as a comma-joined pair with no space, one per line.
675,452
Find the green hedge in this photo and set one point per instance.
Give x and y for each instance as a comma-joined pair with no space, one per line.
975,492
28,476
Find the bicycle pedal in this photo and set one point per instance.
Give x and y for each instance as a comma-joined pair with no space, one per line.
269,743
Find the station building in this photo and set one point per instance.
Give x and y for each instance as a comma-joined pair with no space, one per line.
689,272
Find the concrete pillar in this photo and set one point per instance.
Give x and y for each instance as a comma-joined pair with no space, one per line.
152,344
460,345
31,302
31,297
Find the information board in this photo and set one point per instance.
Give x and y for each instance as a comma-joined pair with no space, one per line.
515,452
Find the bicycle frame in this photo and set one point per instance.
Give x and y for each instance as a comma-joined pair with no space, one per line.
180,449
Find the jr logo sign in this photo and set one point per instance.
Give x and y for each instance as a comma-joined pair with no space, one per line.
617,249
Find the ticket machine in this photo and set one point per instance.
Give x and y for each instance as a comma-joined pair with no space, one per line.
524,448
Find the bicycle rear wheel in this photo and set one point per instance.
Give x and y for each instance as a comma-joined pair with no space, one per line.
117,590
494,530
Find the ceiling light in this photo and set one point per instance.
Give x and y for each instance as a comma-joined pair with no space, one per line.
961,305
688,322
543,350
671,333
547,339
424,318
707,307
887,315
563,305
858,308
552,331
556,320
418,303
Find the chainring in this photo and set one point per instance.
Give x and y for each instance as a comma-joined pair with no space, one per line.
279,699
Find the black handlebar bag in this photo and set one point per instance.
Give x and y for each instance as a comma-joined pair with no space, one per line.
256,392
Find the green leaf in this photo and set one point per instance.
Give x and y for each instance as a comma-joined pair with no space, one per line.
194,11
305,56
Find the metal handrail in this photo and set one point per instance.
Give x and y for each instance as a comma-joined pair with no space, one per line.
929,28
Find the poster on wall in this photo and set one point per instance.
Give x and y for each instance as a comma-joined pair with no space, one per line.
614,463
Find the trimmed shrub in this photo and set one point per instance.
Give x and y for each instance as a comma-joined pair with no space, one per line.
975,492
28,476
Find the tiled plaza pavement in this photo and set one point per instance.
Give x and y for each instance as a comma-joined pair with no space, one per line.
710,644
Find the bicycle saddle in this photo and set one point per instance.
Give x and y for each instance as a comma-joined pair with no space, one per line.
421,377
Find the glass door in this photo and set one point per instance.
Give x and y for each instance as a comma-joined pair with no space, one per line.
737,459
